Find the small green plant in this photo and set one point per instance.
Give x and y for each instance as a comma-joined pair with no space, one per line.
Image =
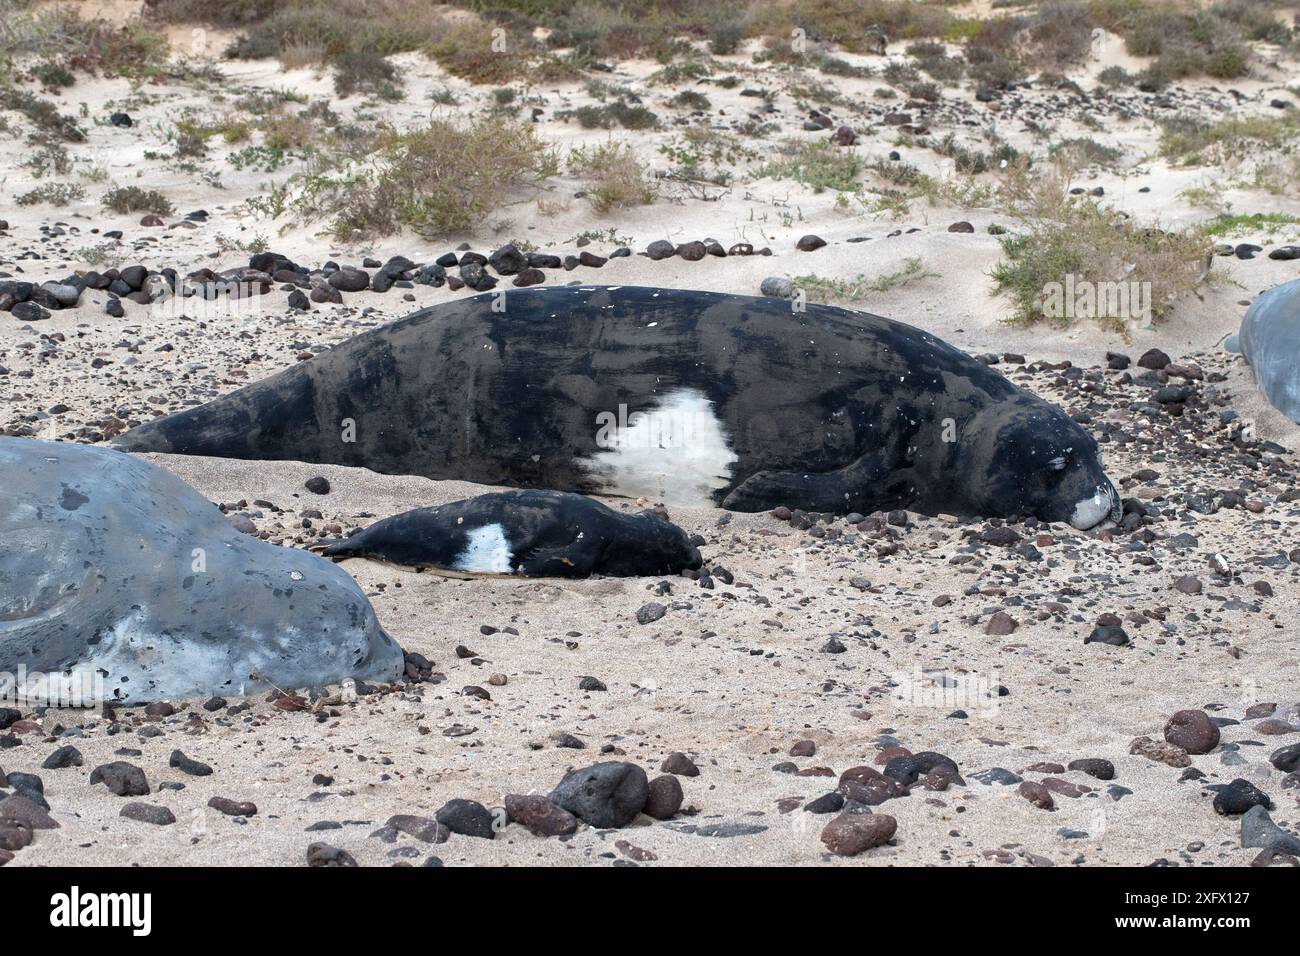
1257,223
690,100
820,289
1082,151
613,176
820,165
43,114
366,71
54,194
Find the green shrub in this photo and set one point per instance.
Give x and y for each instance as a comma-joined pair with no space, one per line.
55,194
440,179
614,178
127,199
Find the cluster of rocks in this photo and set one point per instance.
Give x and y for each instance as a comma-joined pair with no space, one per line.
1248,250
31,301
608,796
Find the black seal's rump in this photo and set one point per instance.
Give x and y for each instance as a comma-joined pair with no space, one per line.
535,533
693,398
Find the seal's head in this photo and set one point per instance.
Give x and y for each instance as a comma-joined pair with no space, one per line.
1042,463
661,548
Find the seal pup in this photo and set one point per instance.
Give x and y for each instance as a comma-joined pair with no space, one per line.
123,583
532,533
691,398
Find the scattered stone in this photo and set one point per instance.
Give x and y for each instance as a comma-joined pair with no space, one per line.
607,794
1193,731
467,817
680,764
1238,797
233,808
1037,794
63,757
184,764
1094,767
122,778
148,813
852,833
322,854
1259,830
1165,753
539,815
664,797
649,613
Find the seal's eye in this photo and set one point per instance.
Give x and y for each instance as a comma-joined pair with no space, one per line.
1057,464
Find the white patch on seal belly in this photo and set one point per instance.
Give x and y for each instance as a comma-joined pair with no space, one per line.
677,452
487,551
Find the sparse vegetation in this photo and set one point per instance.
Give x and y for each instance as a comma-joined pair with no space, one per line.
611,115
614,178
1082,151
439,179
1191,141
819,165
819,289
42,114
55,194
1062,235
128,199
1257,223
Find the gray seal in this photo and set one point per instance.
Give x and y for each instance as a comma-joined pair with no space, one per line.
1270,340
113,567
531,533
691,398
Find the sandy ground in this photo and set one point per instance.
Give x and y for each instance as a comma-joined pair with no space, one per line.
735,676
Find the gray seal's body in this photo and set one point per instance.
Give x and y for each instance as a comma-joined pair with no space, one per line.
114,569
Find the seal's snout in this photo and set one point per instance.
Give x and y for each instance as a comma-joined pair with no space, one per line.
1103,505
697,560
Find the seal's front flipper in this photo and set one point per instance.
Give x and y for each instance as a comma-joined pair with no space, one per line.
866,485
574,560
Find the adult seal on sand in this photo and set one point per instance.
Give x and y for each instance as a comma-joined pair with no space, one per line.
693,398
534,533
1270,340
113,568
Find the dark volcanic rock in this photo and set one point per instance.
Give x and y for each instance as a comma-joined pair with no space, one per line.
1094,767
322,854
1193,730
466,817
1238,797
148,813
664,797
233,808
680,764
122,778
607,794
852,833
540,816
65,756
184,764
